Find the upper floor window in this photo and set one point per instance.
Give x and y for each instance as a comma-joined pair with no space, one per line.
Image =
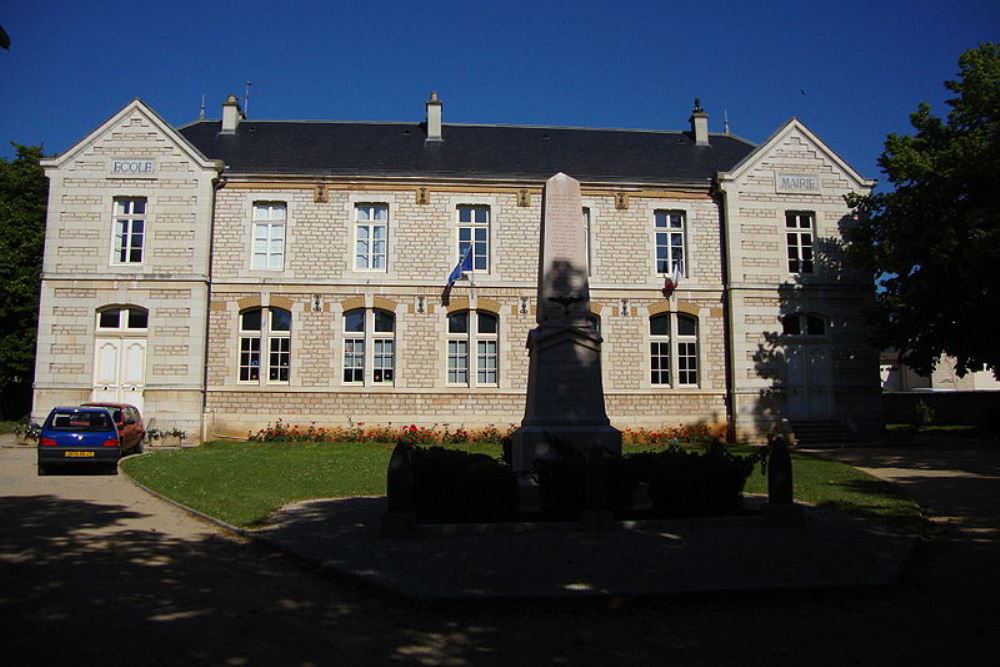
369,343
673,350
799,324
273,327
670,242
129,318
474,236
130,230
586,236
799,236
371,232
269,235
473,330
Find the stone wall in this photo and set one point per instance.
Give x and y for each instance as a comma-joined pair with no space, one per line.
82,276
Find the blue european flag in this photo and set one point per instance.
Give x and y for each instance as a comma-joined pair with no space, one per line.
464,264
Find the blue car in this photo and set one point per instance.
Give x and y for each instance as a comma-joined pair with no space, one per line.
79,435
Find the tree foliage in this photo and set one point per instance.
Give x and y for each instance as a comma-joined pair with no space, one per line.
23,199
933,242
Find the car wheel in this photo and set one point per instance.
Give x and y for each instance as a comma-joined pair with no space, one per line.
43,470
113,469
139,448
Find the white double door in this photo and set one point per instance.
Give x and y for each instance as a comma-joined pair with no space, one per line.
120,370
810,395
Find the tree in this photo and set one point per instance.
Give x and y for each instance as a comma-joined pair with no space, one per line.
23,198
933,243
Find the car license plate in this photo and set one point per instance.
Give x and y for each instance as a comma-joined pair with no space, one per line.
78,455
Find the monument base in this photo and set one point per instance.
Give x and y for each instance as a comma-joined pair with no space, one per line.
540,441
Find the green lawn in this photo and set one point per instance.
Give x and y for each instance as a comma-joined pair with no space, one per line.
242,483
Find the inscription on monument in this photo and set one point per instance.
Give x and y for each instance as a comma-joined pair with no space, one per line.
563,283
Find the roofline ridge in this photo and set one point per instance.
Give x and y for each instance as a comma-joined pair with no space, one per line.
581,128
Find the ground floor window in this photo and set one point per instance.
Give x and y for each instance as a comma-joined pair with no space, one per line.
270,329
369,347
673,350
473,330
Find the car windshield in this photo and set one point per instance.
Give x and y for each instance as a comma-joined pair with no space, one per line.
80,421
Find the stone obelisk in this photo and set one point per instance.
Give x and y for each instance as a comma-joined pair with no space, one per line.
565,401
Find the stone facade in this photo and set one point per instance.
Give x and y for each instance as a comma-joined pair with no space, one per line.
197,276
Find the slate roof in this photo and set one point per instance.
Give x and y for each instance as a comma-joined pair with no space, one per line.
469,151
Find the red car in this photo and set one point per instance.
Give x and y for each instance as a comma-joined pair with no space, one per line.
129,422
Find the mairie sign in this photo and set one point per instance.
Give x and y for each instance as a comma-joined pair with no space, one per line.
131,167
797,183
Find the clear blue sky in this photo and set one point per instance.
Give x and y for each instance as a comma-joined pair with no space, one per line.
863,66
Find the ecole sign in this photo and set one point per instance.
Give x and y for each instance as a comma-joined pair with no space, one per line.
132,167
797,183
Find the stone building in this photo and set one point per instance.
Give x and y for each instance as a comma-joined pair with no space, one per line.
224,274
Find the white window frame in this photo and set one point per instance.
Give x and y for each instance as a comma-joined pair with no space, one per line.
123,238
269,217
586,238
664,233
371,257
480,351
679,351
478,232
125,316
278,347
800,238
375,346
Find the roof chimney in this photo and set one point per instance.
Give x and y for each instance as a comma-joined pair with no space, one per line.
434,118
699,124
231,115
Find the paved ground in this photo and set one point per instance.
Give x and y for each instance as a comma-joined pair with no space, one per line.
725,554
93,571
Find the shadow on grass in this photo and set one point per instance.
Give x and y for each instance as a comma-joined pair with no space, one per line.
878,501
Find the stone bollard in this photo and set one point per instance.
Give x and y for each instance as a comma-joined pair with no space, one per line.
400,518
781,508
596,515
779,473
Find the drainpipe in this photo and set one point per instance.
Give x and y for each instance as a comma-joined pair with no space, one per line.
727,310
218,183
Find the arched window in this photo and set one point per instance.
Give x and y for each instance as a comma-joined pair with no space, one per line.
273,325
802,324
369,342
673,350
478,330
123,318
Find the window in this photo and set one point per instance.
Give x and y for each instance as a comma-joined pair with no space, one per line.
673,350
670,231
370,235
799,234
474,235
269,235
130,318
586,236
130,229
366,330
273,325
473,329
803,325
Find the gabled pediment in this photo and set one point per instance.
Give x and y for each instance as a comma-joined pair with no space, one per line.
136,106
794,128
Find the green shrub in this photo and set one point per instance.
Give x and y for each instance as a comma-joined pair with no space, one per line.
486,492
687,483
452,485
562,481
